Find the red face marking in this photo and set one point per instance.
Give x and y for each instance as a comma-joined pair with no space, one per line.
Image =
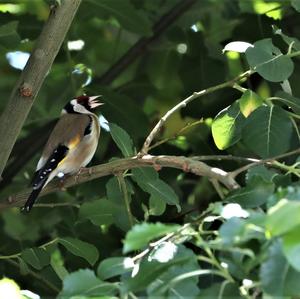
82,99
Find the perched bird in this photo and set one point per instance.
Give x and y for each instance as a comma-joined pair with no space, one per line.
71,145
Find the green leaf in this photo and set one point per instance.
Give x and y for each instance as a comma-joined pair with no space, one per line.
283,217
289,100
111,267
97,211
254,194
296,4
162,191
291,247
57,264
269,62
37,257
145,173
150,271
156,206
278,278
83,249
236,230
122,140
249,102
227,126
9,37
150,183
85,283
163,286
141,234
125,13
268,131
24,269
224,290
260,171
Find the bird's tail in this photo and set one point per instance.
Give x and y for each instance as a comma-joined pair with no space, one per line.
42,176
32,198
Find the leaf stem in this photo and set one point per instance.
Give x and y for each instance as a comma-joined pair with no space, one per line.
124,190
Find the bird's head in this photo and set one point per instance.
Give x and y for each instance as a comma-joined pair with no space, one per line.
82,104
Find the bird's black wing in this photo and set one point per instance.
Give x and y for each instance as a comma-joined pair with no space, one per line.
41,176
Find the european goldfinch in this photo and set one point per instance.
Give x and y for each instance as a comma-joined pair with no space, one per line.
71,145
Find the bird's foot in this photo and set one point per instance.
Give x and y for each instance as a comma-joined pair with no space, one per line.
80,171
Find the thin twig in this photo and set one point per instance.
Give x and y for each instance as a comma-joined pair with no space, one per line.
183,103
224,157
236,172
186,127
57,204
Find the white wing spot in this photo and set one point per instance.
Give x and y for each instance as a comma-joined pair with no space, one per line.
60,174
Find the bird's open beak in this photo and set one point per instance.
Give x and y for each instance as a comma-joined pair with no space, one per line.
94,103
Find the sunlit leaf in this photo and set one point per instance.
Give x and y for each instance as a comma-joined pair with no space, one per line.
291,247
283,217
227,126
249,102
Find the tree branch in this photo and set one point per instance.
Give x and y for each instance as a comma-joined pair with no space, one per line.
33,75
120,165
183,103
142,44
